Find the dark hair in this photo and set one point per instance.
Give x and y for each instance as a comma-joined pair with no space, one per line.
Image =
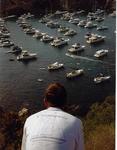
56,94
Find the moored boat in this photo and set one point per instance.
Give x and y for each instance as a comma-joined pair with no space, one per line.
71,32
102,28
76,48
25,55
38,34
90,25
101,53
55,66
95,39
75,73
58,42
63,29
46,38
100,79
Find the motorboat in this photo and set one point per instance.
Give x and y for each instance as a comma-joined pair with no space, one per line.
74,21
90,25
4,35
38,34
52,24
25,55
102,28
6,43
55,66
30,31
57,42
99,12
25,26
80,12
40,80
82,23
88,35
74,73
113,14
46,38
95,38
22,21
101,53
44,20
59,12
93,17
16,50
66,17
63,29
76,48
100,79
29,15
71,32
99,19
2,21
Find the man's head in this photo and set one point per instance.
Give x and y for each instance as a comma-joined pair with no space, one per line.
55,95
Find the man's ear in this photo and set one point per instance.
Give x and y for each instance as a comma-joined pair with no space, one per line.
45,103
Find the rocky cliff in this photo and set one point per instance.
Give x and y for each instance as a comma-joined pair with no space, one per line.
45,6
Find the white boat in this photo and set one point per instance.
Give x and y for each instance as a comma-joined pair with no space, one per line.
22,21
88,35
59,12
59,42
2,21
4,35
113,14
25,26
40,80
90,25
74,21
82,23
99,12
99,19
102,28
6,43
25,55
29,15
101,53
63,29
30,31
75,73
38,34
100,79
55,66
76,48
52,24
70,33
47,38
95,39
80,12
44,20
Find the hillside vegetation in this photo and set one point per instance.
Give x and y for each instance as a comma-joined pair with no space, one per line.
99,127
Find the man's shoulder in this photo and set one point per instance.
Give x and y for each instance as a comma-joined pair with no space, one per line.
72,117
47,112
34,116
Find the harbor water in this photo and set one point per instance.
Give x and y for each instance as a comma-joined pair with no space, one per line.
19,84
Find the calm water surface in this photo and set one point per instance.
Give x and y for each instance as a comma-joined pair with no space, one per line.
18,81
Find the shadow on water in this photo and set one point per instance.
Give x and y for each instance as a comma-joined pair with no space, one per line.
26,62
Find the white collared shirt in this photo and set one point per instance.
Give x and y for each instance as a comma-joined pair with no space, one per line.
52,129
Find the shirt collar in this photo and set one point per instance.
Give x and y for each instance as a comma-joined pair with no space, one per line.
54,109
